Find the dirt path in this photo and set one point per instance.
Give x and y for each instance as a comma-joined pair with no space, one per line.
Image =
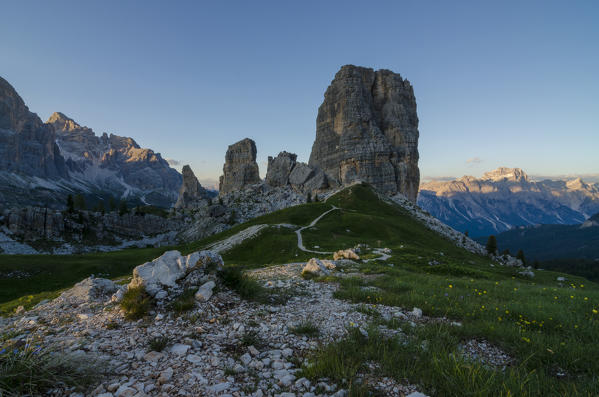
300,241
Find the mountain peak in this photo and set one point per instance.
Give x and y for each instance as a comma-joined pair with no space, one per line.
63,123
505,173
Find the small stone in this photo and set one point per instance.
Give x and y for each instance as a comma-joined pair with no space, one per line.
165,375
179,349
194,359
246,359
416,312
205,291
253,351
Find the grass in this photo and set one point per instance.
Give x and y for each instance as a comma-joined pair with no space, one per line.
184,302
136,303
33,370
249,289
306,328
158,343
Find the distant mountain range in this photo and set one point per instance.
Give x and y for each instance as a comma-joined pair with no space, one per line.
506,198
41,163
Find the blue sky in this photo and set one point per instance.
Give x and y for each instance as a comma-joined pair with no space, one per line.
497,83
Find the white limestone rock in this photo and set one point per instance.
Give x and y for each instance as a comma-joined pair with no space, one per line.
317,267
204,293
167,269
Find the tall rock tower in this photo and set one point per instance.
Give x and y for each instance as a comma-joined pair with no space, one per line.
240,167
367,129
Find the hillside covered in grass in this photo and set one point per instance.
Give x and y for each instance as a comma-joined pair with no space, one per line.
547,325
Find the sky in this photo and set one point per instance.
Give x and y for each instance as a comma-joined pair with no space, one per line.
507,83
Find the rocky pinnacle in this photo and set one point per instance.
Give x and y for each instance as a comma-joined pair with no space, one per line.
367,129
240,167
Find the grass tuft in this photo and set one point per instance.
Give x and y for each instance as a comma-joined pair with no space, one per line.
136,303
158,343
307,328
34,370
184,302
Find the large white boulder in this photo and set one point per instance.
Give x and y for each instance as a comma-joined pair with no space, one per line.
346,254
167,269
317,267
89,290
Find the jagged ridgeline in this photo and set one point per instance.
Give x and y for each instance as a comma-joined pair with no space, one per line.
42,163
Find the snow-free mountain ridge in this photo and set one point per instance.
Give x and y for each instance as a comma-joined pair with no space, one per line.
506,198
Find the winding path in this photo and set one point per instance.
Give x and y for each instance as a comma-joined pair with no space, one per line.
300,241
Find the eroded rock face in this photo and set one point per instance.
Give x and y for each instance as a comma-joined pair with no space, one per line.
279,168
240,167
367,129
284,170
112,159
27,145
191,193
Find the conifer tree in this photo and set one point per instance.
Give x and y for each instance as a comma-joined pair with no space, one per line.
491,245
70,204
520,255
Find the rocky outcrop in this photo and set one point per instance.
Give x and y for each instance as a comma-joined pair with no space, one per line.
41,164
279,169
164,272
240,169
506,198
50,229
27,145
115,162
367,129
284,170
191,193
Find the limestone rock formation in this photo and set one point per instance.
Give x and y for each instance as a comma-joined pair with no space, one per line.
191,194
279,168
27,145
112,158
367,129
240,167
42,163
284,170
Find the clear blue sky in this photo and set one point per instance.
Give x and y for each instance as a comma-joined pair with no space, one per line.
512,83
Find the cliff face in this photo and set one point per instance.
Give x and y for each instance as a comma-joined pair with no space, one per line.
240,167
27,145
141,168
367,129
41,163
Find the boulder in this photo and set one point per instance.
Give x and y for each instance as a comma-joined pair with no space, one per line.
89,290
205,291
346,254
241,168
317,267
167,269
367,130
279,169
